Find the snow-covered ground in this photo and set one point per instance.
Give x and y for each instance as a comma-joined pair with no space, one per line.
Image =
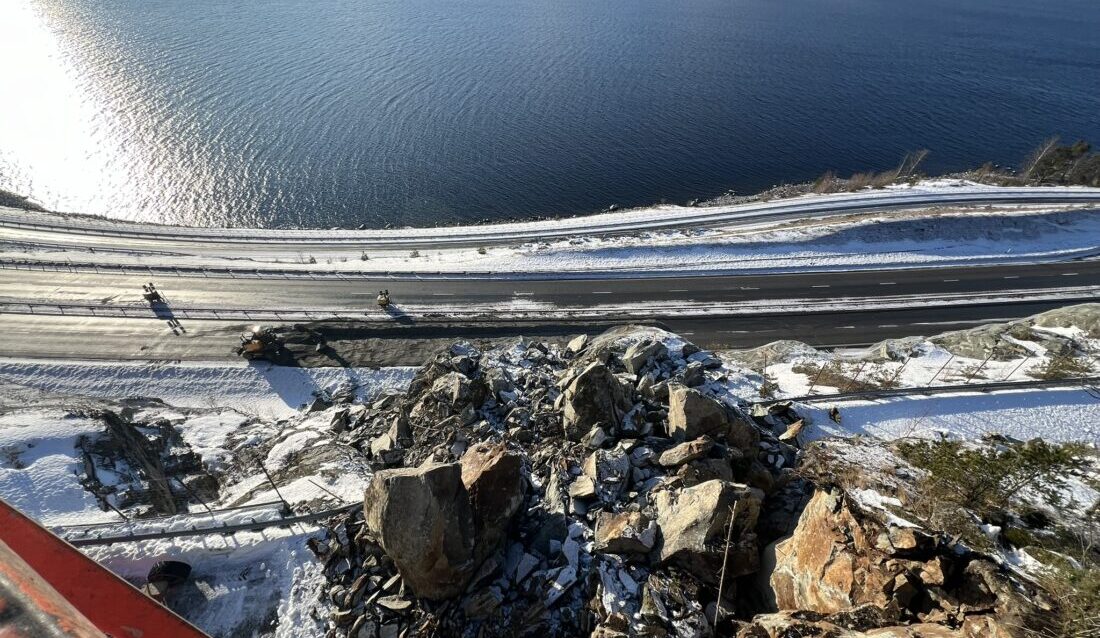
924,236
253,388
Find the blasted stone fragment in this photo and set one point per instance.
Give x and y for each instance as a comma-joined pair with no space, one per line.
692,414
423,520
639,353
453,388
625,533
693,524
493,477
693,374
576,344
609,471
593,397
686,452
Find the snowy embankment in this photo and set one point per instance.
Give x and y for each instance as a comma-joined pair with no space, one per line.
925,235
257,388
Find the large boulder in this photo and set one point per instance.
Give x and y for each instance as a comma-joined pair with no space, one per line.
692,414
842,556
624,533
493,477
422,519
439,521
639,354
694,524
594,397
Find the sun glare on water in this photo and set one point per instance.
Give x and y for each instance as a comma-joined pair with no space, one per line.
58,144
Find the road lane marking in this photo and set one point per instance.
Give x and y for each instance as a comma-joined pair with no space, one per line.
679,290
887,283
601,292
443,294
846,327
1069,274
820,286
949,280
522,294
748,288
888,325
1011,277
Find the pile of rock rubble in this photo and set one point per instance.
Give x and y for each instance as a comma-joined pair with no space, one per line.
617,487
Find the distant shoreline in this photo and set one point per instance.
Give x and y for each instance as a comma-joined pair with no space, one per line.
1051,164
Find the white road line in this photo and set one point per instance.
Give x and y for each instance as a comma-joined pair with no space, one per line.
887,283
1011,277
443,294
679,290
748,288
949,280
522,294
1069,274
888,325
601,292
820,286
846,327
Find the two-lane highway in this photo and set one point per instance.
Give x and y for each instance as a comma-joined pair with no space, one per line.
223,291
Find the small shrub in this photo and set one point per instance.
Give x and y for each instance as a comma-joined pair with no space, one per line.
363,256
826,183
481,250
414,254
1077,591
1062,366
1017,537
985,478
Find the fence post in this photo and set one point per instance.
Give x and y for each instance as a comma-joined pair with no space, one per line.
855,378
992,352
949,360
817,376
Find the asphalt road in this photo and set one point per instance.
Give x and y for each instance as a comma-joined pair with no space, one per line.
390,343
252,293
68,337
69,306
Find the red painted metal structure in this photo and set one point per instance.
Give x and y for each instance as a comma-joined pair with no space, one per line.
48,588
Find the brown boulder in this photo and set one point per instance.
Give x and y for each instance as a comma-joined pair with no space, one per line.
693,523
625,533
493,477
422,519
593,397
692,414
438,522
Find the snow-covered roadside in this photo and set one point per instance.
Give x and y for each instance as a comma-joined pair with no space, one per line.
1058,415
926,237
929,192
256,388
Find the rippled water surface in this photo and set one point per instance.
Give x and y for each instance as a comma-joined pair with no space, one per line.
420,112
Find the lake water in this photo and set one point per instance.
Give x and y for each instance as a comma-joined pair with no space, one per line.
420,112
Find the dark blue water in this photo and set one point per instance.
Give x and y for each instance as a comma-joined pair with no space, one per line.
421,112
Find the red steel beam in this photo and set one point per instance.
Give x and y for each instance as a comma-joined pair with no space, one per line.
112,605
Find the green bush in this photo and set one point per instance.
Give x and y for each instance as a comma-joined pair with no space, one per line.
985,478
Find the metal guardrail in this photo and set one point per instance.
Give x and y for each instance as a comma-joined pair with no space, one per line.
478,235
936,389
224,529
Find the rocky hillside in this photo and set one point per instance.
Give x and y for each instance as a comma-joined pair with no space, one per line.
623,486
